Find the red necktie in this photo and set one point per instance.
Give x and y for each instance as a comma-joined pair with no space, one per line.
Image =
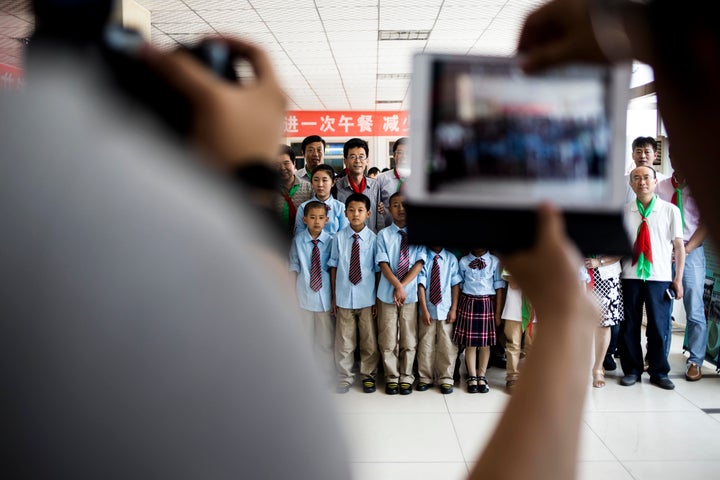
477,264
315,271
355,270
404,261
435,289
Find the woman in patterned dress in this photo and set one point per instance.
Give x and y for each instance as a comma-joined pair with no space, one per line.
604,273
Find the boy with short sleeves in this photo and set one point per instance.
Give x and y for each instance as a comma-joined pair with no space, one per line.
438,293
353,275
400,263
309,255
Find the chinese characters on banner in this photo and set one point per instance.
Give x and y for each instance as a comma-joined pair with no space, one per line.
10,77
388,123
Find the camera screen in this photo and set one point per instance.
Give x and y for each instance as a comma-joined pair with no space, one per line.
494,135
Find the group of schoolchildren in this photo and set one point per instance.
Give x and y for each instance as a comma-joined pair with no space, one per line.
413,307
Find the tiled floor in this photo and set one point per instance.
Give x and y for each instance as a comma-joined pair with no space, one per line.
639,432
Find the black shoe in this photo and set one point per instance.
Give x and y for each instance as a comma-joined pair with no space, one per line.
343,387
472,388
609,363
391,388
483,387
663,382
405,388
368,385
446,388
422,386
629,380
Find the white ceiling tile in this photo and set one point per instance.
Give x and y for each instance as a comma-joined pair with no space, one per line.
343,12
300,28
162,4
351,26
228,16
326,52
175,16
177,28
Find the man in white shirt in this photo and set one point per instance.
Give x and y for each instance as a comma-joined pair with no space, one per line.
648,280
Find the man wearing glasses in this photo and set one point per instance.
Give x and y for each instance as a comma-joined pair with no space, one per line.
355,157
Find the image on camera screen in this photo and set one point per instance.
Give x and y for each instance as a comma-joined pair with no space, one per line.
493,132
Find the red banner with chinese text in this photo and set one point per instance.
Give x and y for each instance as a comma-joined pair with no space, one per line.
389,123
10,77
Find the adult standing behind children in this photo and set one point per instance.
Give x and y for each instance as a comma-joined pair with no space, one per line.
438,293
644,153
322,183
676,191
400,263
292,191
391,180
648,280
481,294
356,156
313,149
354,276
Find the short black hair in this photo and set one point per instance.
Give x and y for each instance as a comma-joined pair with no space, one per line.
287,149
398,142
373,170
358,197
311,139
640,142
396,194
327,168
313,204
355,143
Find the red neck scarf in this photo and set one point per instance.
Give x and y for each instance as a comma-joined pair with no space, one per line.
642,249
400,180
355,187
677,198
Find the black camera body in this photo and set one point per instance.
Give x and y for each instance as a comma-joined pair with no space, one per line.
120,48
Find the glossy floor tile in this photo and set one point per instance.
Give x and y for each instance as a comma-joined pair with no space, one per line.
629,433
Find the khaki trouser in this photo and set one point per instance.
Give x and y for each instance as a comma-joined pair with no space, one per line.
436,352
397,339
352,324
515,340
320,328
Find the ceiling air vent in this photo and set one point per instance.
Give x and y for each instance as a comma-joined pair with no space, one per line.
403,34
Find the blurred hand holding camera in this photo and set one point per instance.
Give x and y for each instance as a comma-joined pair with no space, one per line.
233,124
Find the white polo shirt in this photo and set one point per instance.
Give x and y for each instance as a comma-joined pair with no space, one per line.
665,225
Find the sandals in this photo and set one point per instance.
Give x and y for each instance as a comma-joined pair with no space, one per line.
472,388
599,378
483,387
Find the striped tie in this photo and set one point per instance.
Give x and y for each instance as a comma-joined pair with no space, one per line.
315,271
477,264
435,293
404,261
355,270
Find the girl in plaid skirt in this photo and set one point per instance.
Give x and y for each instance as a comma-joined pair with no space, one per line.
478,313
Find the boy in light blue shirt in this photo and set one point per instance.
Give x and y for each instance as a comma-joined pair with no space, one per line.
400,264
353,275
438,293
309,256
